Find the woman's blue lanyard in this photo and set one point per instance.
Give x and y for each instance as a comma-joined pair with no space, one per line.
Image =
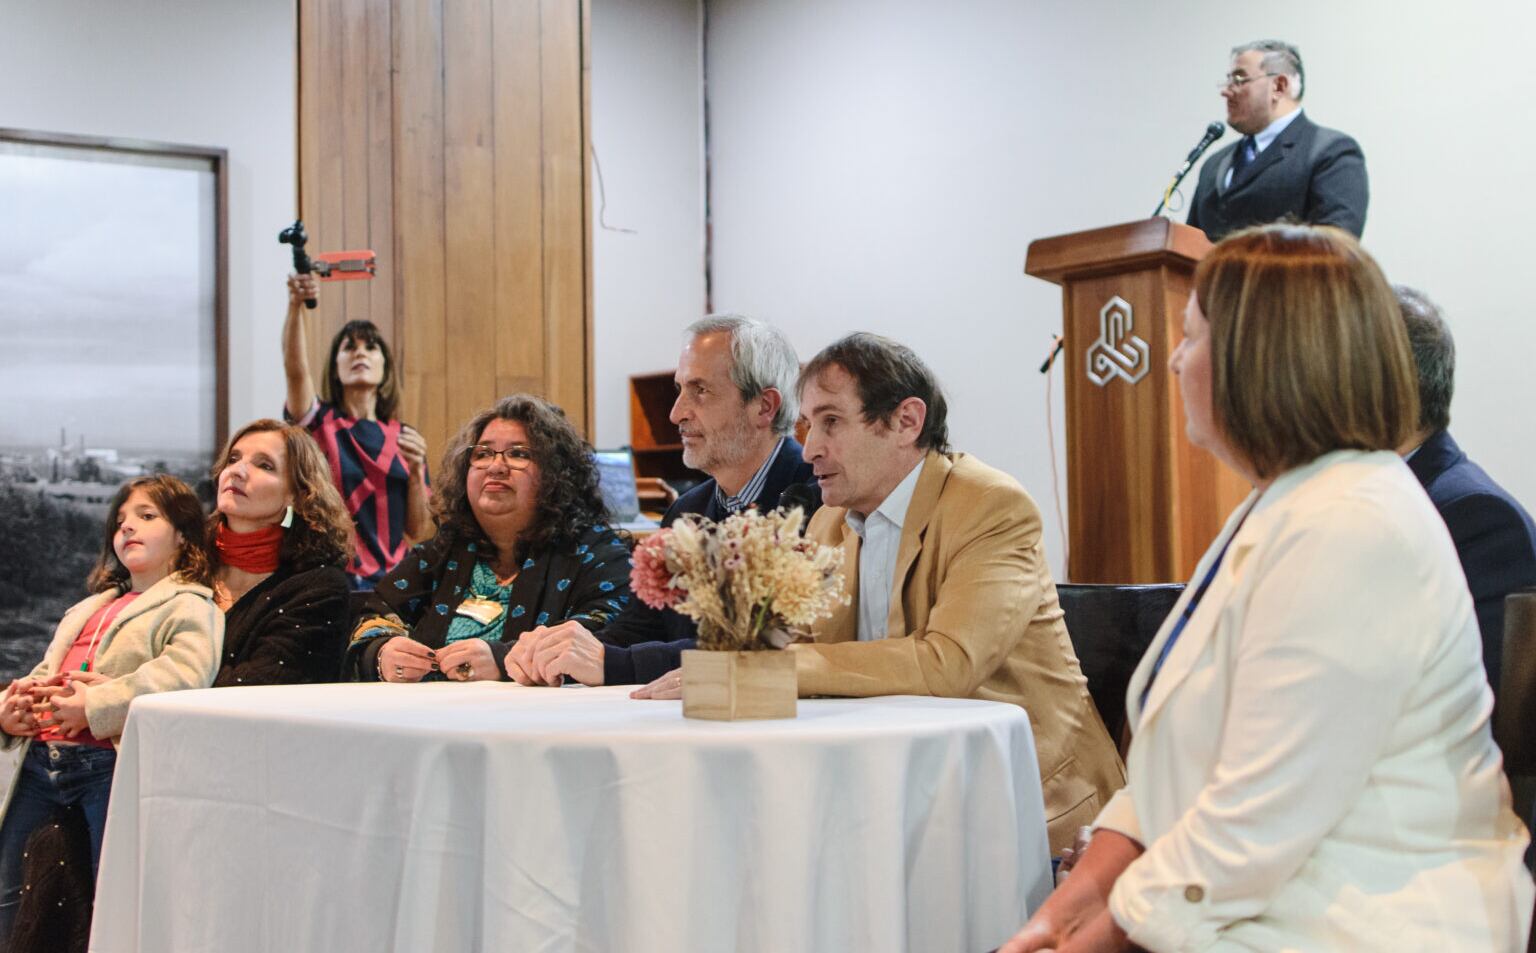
1193,604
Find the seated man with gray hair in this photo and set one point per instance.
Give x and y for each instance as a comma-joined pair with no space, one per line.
735,411
1494,535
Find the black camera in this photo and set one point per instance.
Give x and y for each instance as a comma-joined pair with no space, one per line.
358,265
296,236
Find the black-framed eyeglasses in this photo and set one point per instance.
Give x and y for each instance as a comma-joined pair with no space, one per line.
1239,80
517,456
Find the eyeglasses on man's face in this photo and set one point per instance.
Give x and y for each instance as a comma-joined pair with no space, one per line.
1239,80
517,456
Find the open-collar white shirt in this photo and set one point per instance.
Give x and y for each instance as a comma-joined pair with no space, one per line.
880,542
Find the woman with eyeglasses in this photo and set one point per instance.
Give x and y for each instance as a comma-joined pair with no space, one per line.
522,542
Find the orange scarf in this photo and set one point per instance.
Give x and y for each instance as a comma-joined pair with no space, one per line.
253,552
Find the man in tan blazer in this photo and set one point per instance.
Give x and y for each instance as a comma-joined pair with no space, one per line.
949,590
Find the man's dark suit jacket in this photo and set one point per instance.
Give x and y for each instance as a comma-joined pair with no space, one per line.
1312,174
1494,535
641,643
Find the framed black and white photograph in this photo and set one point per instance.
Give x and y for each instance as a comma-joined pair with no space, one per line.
113,316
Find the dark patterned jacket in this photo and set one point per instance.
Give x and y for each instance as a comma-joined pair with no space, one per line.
587,581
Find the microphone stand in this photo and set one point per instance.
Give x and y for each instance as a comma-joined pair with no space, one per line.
1177,178
1212,132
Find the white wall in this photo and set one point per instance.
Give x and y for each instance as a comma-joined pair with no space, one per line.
211,73
647,133
884,164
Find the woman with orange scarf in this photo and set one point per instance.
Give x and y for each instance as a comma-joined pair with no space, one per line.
281,539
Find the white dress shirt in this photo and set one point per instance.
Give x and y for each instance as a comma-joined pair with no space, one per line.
879,542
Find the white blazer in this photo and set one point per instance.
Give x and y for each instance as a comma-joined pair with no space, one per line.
1314,768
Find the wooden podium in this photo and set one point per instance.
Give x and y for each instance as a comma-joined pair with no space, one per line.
1143,503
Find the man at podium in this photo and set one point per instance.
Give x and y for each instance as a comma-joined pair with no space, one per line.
1285,166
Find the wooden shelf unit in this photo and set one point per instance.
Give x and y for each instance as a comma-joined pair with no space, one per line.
653,437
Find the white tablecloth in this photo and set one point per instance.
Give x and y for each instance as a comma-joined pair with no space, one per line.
451,817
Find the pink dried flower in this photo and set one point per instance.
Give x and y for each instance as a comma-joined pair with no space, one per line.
650,580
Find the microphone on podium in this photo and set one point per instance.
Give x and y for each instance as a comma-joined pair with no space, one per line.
1212,133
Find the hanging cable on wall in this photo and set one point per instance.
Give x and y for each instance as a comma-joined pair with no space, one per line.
1057,343
602,199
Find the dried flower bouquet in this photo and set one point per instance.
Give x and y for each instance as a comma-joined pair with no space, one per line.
750,581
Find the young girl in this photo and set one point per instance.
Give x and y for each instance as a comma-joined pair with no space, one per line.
151,626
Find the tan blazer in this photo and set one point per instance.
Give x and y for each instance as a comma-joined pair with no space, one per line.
976,616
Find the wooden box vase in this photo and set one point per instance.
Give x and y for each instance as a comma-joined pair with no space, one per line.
736,686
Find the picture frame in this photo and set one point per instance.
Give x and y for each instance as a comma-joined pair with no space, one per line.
114,312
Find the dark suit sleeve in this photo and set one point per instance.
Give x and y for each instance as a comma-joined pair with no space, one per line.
642,663
636,624
1339,191
1497,558
302,639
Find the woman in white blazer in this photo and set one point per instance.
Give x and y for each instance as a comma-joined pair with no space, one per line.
1312,767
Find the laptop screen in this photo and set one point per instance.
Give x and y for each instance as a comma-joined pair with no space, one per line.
616,475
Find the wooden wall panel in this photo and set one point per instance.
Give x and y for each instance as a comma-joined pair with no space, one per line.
379,85
419,211
564,204
519,203
469,180
351,115
450,136
334,74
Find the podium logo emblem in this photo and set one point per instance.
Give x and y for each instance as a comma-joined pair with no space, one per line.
1117,352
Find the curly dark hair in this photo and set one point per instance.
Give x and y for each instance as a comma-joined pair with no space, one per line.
569,501
178,504
321,534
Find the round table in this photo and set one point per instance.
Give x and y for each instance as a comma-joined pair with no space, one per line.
486,816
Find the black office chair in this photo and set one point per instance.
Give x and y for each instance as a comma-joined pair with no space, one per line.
1111,627
1514,710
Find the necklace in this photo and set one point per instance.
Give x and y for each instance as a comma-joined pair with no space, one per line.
107,615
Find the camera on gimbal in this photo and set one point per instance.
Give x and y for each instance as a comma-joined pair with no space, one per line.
329,266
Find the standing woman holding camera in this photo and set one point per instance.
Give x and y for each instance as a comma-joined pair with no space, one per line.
378,463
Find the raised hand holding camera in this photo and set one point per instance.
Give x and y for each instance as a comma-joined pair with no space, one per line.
296,236
359,265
